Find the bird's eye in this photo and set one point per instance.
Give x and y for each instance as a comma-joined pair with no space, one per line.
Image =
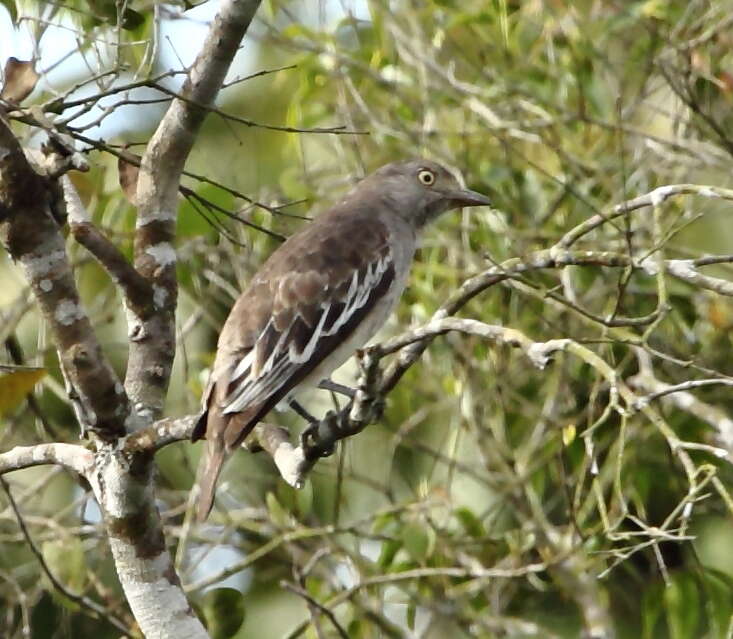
426,177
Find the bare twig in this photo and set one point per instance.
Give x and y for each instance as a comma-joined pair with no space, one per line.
653,198
680,396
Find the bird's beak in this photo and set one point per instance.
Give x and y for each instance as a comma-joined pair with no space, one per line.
466,197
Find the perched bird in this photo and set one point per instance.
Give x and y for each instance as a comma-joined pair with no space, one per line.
320,296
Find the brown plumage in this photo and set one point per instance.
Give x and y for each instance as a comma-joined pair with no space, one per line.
320,295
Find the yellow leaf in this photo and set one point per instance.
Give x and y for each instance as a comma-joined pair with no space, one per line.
568,434
15,385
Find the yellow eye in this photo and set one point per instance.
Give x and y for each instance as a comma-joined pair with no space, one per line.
426,177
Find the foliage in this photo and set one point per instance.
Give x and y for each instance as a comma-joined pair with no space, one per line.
494,499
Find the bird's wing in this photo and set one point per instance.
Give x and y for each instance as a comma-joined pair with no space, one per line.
319,291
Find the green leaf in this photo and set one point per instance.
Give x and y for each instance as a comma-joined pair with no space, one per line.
224,612
190,221
292,184
471,524
304,499
383,521
278,514
355,628
411,614
419,540
390,548
651,611
718,588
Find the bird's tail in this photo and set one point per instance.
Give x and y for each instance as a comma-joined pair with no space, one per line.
224,434
208,476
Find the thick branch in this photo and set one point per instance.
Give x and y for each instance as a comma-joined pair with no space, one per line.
273,439
123,482
153,345
123,486
161,433
32,237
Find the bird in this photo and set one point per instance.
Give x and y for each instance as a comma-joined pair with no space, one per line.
319,297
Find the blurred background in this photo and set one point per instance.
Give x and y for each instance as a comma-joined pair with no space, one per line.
581,517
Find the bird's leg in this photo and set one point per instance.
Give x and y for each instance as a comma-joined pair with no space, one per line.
310,433
365,406
335,387
309,436
301,411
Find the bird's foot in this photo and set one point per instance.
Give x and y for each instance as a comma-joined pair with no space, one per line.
309,435
310,440
301,411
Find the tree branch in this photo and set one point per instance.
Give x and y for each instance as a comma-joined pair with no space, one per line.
31,235
161,433
70,456
679,395
123,481
123,486
653,198
136,291
686,270
157,191
294,462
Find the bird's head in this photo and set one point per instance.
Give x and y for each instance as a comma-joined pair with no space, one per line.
420,190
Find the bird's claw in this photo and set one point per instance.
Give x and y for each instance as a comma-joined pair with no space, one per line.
309,437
